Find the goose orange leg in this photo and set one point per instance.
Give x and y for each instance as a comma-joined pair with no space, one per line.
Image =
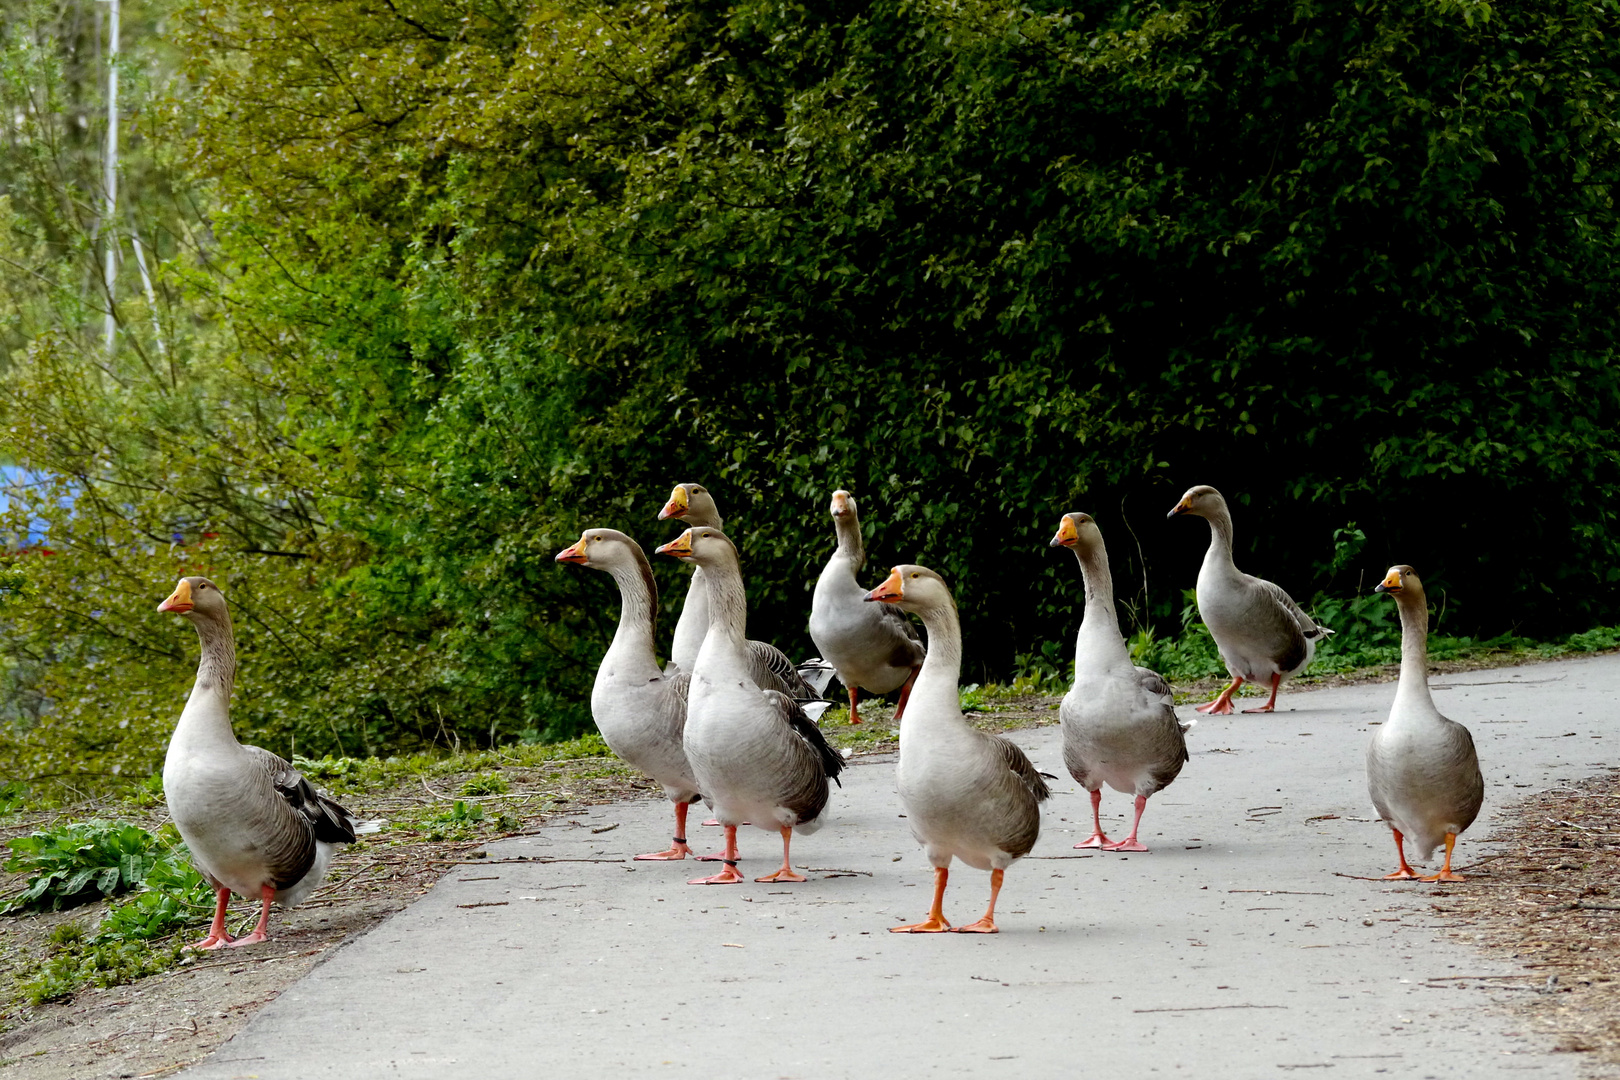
260,933
1096,839
729,875
987,923
678,850
854,717
1445,873
1276,681
1405,870
1131,843
905,694
217,935
935,923
786,873
1222,705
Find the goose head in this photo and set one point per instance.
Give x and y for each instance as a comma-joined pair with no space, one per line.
601,549
1403,584
1076,531
910,587
703,546
1200,501
196,597
843,505
693,504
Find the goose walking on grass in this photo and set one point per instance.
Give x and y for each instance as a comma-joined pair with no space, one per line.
1263,636
968,794
872,647
694,507
639,709
756,755
254,825
1422,771
1119,720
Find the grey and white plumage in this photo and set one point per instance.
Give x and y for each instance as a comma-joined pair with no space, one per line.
639,709
768,666
873,646
1119,720
249,817
754,752
1422,770
968,794
1262,634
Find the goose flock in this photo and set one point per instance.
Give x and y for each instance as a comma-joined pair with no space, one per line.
732,722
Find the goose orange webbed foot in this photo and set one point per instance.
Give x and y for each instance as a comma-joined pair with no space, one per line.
931,925
1405,873
1130,843
784,874
212,942
251,939
675,853
1095,840
1444,875
1262,708
1218,707
985,925
728,876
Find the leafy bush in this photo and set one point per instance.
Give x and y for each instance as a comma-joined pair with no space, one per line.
80,862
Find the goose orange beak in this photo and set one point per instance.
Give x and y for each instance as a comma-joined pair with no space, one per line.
840,503
680,547
676,507
1180,508
575,554
179,601
1391,584
889,591
1067,535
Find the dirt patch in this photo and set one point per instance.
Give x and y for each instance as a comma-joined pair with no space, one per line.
1551,902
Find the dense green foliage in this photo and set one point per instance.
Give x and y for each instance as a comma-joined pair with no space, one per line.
84,861
471,276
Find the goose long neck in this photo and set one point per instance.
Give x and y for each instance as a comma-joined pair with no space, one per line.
1099,639
850,545
216,671
728,601
1414,682
638,619
205,722
942,667
1220,534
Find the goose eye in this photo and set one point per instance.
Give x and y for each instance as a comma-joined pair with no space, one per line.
916,575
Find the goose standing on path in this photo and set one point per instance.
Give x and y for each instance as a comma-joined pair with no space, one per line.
254,825
770,666
754,752
968,794
1119,720
639,709
875,648
1262,634
1422,771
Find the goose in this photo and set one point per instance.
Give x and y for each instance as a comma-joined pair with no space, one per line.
754,752
968,794
254,825
872,647
1119,720
769,666
1262,634
639,709
1422,771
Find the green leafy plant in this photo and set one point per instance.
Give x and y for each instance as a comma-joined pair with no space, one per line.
486,784
80,862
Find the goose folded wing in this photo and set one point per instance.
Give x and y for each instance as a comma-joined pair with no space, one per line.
1307,625
329,820
793,714
1020,765
772,670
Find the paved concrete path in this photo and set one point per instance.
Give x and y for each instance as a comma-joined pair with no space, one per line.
1231,950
